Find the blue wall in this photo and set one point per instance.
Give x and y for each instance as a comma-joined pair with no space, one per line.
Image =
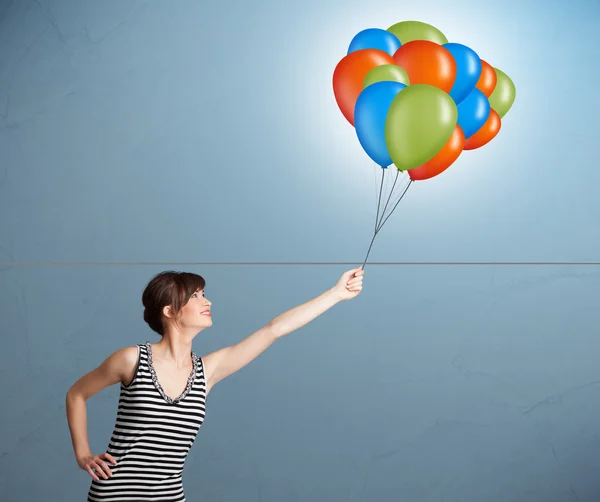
134,135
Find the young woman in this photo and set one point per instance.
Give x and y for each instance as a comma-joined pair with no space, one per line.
164,387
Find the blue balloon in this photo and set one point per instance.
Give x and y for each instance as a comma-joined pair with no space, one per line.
375,38
468,70
473,112
370,113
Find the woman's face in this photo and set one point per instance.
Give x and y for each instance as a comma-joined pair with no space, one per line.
195,314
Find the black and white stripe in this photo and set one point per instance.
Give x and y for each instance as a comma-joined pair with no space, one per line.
152,436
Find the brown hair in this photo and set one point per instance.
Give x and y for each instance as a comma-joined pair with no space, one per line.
168,288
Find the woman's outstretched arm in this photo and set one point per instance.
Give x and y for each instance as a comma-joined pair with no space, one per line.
226,361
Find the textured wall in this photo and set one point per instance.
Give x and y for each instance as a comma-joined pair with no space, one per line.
136,132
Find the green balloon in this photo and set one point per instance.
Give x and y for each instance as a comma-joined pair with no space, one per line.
503,97
407,31
420,121
386,72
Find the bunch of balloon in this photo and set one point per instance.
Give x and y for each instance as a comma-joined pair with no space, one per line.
417,102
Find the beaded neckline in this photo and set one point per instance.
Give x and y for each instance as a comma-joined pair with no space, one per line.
159,387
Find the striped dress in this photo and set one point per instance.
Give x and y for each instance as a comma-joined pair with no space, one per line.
152,436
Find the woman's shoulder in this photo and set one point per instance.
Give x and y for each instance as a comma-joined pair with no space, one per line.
127,360
128,355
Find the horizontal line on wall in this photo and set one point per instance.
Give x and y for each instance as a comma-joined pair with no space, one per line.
292,263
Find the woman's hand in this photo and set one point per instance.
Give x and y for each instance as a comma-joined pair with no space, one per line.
91,463
350,284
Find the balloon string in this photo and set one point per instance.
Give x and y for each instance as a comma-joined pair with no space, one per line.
379,201
370,246
388,216
388,201
383,223
377,217
395,199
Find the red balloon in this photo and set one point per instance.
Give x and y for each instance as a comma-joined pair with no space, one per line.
427,63
487,79
349,75
487,133
443,160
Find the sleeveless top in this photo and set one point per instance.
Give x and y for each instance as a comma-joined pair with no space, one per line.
152,436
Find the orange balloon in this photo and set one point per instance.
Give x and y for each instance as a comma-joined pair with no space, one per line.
427,63
487,133
487,79
349,75
443,160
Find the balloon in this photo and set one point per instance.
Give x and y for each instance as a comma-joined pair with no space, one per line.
473,112
407,31
369,117
420,121
503,97
487,79
427,63
468,70
349,75
386,72
443,160
486,134
375,38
